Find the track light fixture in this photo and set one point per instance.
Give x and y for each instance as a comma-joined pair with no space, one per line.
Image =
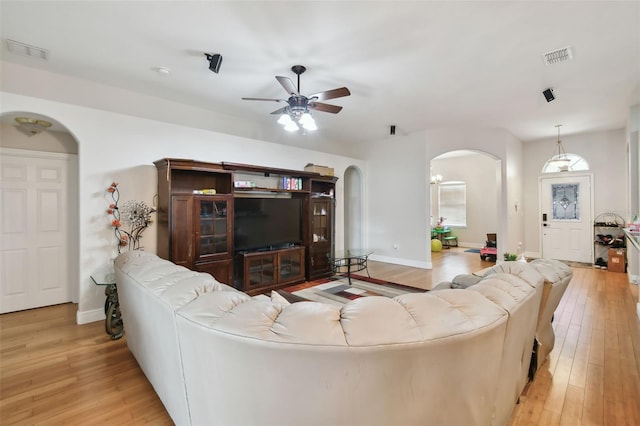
548,94
215,60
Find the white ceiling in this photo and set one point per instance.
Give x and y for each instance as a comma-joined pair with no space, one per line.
417,65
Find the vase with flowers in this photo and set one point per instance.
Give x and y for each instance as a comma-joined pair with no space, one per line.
136,214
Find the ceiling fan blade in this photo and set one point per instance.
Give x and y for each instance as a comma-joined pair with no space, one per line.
319,106
288,85
280,111
263,99
331,94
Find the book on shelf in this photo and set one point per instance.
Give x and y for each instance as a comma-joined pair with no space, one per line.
291,183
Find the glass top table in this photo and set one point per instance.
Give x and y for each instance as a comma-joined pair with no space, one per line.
113,324
350,260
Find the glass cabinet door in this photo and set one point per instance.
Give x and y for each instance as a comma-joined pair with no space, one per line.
291,265
261,270
321,221
212,227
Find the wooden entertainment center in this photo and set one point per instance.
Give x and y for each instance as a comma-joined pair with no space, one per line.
196,222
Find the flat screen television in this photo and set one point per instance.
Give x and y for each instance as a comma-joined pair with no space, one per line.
266,223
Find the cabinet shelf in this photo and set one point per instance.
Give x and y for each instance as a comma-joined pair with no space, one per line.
268,190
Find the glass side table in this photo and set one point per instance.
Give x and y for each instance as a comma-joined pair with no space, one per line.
353,260
113,320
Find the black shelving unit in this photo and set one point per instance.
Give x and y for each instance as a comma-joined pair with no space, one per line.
607,234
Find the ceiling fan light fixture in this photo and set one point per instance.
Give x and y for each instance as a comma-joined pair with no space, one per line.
306,118
310,126
285,119
298,110
307,121
291,127
288,123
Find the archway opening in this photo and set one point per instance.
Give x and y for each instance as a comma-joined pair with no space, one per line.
39,159
353,209
465,195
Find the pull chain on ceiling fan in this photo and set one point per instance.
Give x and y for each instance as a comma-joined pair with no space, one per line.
298,106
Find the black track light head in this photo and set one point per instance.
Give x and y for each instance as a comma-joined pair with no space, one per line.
548,94
215,60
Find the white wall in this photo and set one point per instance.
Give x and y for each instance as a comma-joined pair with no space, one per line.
397,178
606,154
122,148
397,206
515,194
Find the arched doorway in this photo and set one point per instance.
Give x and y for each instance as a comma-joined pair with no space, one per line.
353,208
465,191
39,202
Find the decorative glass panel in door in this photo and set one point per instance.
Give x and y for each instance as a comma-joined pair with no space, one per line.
565,202
212,229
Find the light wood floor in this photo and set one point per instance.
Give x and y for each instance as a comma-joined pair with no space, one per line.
53,371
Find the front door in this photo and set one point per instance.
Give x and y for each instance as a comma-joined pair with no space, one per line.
566,214
34,267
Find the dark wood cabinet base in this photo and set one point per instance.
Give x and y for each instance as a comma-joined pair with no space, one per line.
262,271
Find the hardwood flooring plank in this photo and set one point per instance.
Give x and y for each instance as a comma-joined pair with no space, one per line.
572,407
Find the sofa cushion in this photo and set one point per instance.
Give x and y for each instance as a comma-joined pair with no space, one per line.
465,280
278,298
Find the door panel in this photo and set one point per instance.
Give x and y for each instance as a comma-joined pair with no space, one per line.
566,217
34,260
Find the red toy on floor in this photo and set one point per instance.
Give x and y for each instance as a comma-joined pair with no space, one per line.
490,250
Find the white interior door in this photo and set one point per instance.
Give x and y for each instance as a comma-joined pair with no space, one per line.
33,220
566,214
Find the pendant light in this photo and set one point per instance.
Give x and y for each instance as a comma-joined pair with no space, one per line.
560,159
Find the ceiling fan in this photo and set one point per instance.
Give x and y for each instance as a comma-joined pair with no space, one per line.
299,106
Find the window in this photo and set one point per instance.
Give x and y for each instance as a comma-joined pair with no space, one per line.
452,203
576,163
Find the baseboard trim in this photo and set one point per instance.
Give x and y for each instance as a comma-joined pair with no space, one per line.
403,262
465,244
85,317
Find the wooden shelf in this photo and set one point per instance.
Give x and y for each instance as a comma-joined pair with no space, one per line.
268,190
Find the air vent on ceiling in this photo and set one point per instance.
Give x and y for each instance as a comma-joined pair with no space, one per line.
27,50
558,55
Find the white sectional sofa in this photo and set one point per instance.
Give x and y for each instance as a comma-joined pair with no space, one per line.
216,356
556,279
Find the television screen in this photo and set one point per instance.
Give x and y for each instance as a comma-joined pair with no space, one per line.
264,223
